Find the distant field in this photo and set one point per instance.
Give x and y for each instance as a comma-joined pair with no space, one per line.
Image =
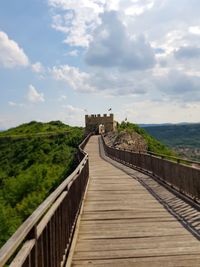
184,139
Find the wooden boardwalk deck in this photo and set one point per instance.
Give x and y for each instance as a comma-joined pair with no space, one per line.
122,224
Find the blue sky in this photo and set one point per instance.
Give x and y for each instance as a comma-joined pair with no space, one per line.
62,58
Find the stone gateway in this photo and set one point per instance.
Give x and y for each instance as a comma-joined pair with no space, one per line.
100,124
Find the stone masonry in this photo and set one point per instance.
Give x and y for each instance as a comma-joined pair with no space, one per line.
93,122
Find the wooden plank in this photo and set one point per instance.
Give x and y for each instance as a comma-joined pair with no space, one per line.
134,243
127,234
136,253
128,221
131,223
116,214
167,261
122,224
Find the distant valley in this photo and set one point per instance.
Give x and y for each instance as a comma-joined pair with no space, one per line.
182,138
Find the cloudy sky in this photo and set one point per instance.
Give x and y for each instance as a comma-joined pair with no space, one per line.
62,58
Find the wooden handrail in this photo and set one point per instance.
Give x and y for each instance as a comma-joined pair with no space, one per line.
177,159
184,178
163,156
28,228
23,253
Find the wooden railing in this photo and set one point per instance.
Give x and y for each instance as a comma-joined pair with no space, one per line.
44,239
182,177
176,159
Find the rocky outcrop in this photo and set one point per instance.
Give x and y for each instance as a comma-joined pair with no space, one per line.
126,140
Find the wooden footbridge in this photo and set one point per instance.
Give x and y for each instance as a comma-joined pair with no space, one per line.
128,209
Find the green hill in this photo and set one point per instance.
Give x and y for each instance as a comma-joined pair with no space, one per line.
185,139
153,145
34,128
34,158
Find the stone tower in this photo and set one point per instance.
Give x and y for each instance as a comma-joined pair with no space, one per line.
92,123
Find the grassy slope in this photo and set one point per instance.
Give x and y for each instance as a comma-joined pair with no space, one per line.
175,135
30,168
184,139
36,129
153,145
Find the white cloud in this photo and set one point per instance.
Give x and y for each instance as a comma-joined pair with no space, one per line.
71,4
73,53
62,98
119,83
149,84
77,80
103,82
136,8
162,64
73,110
37,67
112,5
14,104
77,19
194,30
147,111
11,55
73,115
34,96
179,86
114,47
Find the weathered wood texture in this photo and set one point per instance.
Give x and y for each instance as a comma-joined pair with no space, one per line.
122,224
184,178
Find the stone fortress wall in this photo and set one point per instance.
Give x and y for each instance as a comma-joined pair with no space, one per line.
92,122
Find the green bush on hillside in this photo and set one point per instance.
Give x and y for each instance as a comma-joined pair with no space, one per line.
32,167
153,145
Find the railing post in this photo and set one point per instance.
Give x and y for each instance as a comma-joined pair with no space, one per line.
168,168
34,254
